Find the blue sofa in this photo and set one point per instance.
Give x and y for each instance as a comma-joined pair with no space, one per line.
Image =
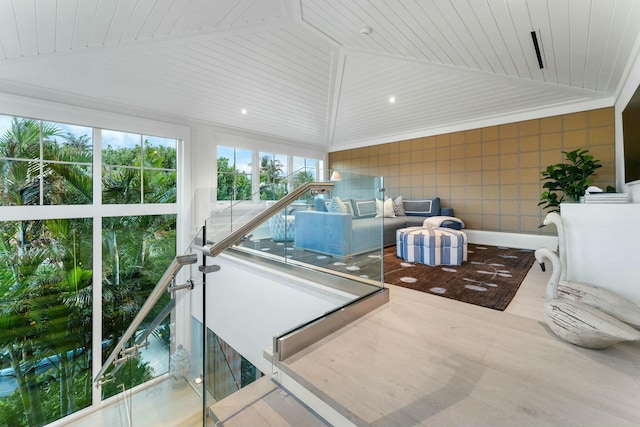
344,234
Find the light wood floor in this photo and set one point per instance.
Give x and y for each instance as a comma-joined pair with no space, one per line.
430,361
158,405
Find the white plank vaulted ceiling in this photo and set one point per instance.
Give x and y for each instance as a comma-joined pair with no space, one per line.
303,70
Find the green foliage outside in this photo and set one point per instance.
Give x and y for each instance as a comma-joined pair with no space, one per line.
136,252
46,277
122,184
45,315
63,183
273,183
232,184
300,178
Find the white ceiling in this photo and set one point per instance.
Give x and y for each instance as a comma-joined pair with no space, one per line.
304,72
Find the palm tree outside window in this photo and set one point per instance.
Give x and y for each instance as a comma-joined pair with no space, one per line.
273,176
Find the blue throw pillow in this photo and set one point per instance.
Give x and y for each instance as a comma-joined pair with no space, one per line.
364,208
319,204
424,207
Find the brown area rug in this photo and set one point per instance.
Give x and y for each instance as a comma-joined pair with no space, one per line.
490,277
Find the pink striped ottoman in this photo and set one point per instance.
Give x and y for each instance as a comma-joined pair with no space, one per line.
431,246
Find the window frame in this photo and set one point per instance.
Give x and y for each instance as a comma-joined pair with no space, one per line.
96,211
256,155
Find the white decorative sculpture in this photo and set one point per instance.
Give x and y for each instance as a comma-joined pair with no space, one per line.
594,296
578,323
554,218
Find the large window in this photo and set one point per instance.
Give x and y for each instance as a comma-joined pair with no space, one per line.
45,320
275,174
137,168
44,163
138,250
304,170
47,271
234,174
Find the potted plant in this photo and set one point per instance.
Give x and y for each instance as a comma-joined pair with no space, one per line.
569,179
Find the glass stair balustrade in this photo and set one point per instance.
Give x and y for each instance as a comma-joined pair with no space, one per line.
167,282
232,232
161,287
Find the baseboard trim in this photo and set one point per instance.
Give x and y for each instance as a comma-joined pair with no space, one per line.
511,240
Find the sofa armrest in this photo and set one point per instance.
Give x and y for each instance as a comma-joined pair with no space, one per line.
446,212
324,232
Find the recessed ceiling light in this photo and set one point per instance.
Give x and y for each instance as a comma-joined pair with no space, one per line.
392,99
243,111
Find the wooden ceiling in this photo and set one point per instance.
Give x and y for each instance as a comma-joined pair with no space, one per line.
304,72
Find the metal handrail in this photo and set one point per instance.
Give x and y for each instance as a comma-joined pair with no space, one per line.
219,247
175,266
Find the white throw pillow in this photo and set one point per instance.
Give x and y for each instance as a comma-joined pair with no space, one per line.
336,205
385,209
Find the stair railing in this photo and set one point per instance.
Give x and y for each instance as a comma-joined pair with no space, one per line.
166,282
234,237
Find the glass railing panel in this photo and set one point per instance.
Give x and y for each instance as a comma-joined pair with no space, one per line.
153,369
368,229
229,214
349,244
138,249
220,370
146,356
315,245
170,399
209,342
198,366
150,379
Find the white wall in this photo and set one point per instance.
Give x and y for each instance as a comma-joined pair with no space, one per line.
46,110
247,305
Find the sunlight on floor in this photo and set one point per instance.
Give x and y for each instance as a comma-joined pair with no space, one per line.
158,405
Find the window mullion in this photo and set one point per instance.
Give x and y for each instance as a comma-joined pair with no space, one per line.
96,397
255,176
141,169
41,166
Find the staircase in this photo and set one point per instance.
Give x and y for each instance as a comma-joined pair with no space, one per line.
324,304
263,404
